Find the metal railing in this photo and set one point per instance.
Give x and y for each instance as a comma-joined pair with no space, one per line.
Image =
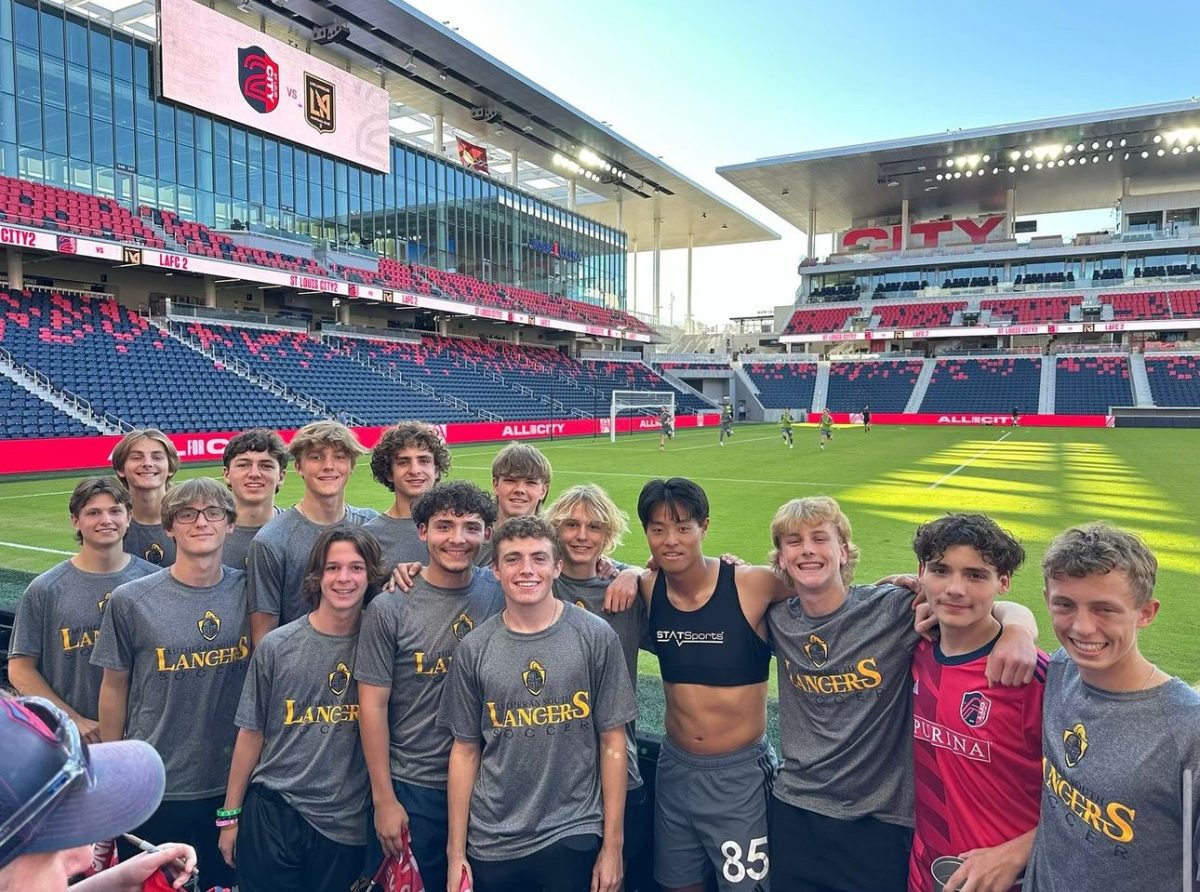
81,406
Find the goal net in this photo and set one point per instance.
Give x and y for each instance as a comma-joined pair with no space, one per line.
645,403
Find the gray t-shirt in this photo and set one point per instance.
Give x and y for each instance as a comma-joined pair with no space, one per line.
1112,785
845,705
407,643
300,695
58,621
150,542
630,626
278,556
186,650
399,539
537,704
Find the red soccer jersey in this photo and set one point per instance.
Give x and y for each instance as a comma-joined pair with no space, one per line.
977,757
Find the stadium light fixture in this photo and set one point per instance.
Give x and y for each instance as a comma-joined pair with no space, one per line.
1011,169
1161,152
1122,142
1110,157
1068,148
1175,150
1014,155
1025,167
1095,159
1083,159
1158,138
1145,154
1071,162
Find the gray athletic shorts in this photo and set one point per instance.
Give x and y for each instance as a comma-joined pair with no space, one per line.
710,814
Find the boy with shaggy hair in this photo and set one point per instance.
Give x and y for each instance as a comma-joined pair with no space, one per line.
977,749
146,460
1108,709
407,461
325,453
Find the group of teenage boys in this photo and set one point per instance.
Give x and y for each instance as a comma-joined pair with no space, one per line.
481,710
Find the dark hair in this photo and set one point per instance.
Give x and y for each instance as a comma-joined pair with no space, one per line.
364,543
685,500
408,435
527,527
90,487
257,440
458,497
998,547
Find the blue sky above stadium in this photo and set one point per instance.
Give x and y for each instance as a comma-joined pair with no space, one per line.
706,84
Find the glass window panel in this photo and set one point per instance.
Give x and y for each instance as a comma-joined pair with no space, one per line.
102,144
126,140
144,107
102,98
25,19
166,160
8,76
238,179
203,133
122,105
29,124
57,171
29,75
8,118
270,154
81,137
30,164
221,184
186,165
79,98
237,144
101,49
141,65
54,82
122,59
145,155
220,139
54,129
52,33
77,42
81,175
204,170
256,183
165,115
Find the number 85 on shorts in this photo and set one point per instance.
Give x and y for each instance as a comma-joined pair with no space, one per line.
751,862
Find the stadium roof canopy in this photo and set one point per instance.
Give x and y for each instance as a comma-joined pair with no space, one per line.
1078,162
430,70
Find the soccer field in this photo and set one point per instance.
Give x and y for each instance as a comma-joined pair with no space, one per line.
1034,481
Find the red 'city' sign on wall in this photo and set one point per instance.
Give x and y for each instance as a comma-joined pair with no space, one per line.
925,235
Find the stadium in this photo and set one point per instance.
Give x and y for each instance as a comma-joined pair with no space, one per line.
360,215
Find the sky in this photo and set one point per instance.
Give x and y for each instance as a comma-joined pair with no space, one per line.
706,84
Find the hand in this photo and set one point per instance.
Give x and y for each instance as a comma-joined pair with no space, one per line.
403,576
924,622
458,876
989,870
651,564
607,874
622,593
128,876
227,843
732,559
904,580
391,823
1013,659
606,568
89,729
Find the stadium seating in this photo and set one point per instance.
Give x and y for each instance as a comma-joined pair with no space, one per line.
1026,310
1174,380
993,384
884,385
822,319
124,366
931,315
784,385
1091,384
692,366
62,210
24,415
1139,305
1185,304
196,238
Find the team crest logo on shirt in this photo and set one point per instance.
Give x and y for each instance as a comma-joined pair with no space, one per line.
1075,744
975,709
209,625
534,678
154,554
581,604
461,626
339,679
103,602
816,651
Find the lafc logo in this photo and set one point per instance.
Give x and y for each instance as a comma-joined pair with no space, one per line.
534,678
461,626
103,602
339,679
318,104
816,651
209,625
1075,744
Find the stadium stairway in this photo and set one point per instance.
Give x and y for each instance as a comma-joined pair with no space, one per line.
1142,394
921,386
678,383
57,401
1046,390
820,387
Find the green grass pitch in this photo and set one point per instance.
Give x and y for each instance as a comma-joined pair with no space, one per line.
1034,481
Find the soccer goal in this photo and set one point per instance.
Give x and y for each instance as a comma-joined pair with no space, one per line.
647,403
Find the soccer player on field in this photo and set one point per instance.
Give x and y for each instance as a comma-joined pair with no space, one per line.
866,418
520,481
255,462
408,460
785,427
844,795
174,647
726,423
146,460
825,428
977,750
295,811
1118,733
58,618
664,428
325,453
407,644
590,526
537,699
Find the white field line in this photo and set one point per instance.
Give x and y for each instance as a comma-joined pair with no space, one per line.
983,451
38,495
35,548
649,476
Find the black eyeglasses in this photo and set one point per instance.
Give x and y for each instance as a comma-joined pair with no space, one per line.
76,764
212,514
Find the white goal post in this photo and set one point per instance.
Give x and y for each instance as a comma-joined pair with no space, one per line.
638,401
